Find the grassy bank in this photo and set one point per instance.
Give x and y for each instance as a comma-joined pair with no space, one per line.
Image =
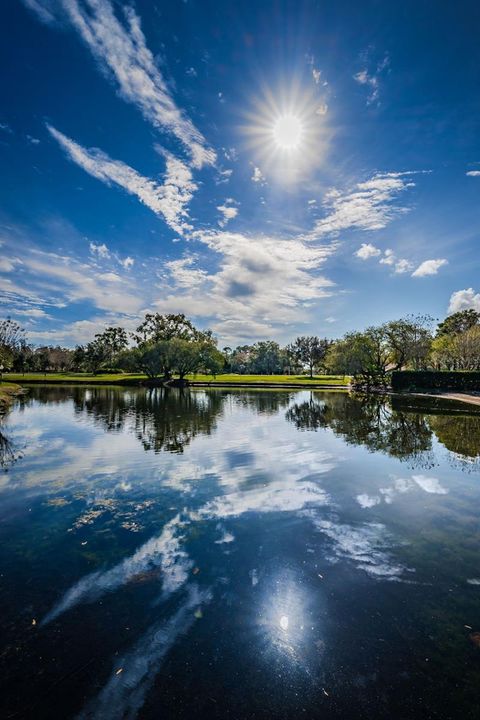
8,393
219,380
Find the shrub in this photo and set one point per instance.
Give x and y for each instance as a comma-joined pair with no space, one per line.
435,380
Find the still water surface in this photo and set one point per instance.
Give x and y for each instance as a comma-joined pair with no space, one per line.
238,554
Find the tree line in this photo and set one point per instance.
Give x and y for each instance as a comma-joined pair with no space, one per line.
170,345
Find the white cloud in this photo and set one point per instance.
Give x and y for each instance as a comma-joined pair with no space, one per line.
31,312
429,267
371,80
77,281
473,173
388,257
101,250
371,205
400,265
8,264
168,199
260,284
228,211
464,300
322,109
224,176
184,274
403,266
128,262
82,331
43,9
367,250
258,176
316,74
110,277
120,48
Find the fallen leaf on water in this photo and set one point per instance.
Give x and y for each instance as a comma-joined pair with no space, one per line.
325,692
34,622
469,627
198,613
84,542
196,570
119,671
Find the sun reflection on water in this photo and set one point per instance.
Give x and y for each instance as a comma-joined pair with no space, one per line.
289,625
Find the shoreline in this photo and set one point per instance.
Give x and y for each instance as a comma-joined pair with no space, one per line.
8,394
466,398
145,382
10,390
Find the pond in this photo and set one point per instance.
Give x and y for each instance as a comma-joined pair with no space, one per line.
238,554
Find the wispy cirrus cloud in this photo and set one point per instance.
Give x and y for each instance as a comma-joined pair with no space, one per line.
77,281
370,205
120,48
371,78
168,199
44,10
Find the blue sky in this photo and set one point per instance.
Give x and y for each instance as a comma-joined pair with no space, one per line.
269,169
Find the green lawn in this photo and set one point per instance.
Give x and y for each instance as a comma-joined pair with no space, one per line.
277,379
133,379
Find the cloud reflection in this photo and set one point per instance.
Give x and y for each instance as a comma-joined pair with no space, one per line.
134,672
367,545
164,552
400,486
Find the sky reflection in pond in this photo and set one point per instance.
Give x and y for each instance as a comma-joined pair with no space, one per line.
283,553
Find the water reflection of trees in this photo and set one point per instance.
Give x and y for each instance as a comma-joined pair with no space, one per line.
7,451
397,425
369,421
167,419
162,418
267,402
460,434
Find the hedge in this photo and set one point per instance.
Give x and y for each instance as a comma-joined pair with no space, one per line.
435,380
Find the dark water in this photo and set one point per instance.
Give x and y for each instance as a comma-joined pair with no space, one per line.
226,554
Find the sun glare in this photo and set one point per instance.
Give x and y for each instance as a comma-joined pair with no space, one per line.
287,132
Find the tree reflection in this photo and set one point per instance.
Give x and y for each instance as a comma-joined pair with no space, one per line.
367,420
460,434
401,426
163,419
168,419
8,455
265,402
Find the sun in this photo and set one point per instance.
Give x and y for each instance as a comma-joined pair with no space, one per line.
287,132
